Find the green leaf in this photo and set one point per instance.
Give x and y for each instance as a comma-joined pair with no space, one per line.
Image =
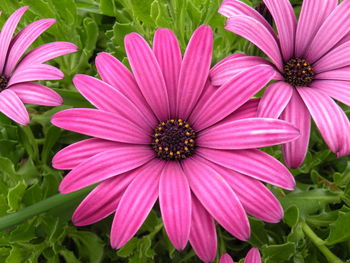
339,232
14,196
278,253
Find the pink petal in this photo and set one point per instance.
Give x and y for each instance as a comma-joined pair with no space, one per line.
175,204
116,74
100,124
47,52
167,51
136,204
231,96
333,29
247,134
327,115
275,99
247,110
35,93
285,20
313,14
226,258
334,59
107,98
103,200
254,163
253,256
7,32
217,197
203,233
23,40
226,70
105,165
256,33
230,8
228,58
13,107
255,197
339,90
194,70
35,72
148,74
297,114
78,152
337,74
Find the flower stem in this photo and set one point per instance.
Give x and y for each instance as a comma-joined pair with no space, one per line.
319,243
31,146
40,207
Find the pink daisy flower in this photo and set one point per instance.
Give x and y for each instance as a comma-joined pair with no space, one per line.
17,72
253,256
161,132
312,64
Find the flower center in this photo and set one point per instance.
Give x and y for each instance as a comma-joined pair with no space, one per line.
173,140
298,72
3,83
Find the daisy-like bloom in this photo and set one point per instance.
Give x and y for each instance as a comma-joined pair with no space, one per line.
160,131
311,58
17,72
253,256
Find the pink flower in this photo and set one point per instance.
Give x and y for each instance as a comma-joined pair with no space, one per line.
311,59
17,72
162,132
253,256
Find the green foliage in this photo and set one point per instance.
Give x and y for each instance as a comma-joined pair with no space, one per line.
317,214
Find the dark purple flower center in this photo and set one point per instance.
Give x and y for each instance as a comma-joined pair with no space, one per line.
3,83
173,140
298,72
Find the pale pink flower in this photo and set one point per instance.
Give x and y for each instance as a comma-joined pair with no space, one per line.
160,131
253,256
18,71
311,58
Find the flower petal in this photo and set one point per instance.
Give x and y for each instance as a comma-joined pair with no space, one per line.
337,74
148,74
23,40
113,72
333,29
255,197
334,59
230,8
252,162
286,23
47,52
275,99
247,134
103,200
313,14
136,203
175,204
35,72
217,197
256,33
327,116
253,256
194,70
35,93
7,32
339,90
297,114
203,237
231,96
105,165
226,70
107,98
13,107
100,124
167,51
226,258
76,153
247,110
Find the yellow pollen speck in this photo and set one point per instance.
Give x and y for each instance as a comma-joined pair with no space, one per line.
180,123
188,134
298,65
172,121
185,148
187,125
191,140
178,152
303,71
156,140
156,135
166,149
179,120
186,142
160,148
305,64
163,123
160,128
171,153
